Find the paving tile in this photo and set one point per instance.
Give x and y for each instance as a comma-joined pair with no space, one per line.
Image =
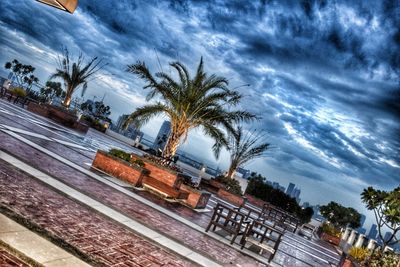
80,227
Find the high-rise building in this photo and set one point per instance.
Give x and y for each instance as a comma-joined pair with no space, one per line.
290,189
387,236
362,230
131,131
362,220
275,185
162,136
244,172
373,232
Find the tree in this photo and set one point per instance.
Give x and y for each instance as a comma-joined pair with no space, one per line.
341,216
386,208
23,73
52,89
244,147
75,74
202,101
97,109
259,188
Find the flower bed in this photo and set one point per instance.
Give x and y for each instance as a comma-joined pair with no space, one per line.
197,199
119,168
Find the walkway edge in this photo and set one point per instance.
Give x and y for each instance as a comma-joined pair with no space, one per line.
137,227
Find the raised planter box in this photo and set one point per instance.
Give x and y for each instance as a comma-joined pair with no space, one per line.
231,198
334,240
255,201
119,168
161,173
197,199
57,115
211,185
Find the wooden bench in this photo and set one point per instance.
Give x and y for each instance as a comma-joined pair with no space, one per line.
163,189
229,220
263,237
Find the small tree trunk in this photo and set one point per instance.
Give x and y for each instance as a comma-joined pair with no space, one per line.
231,170
67,101
68,96
172,145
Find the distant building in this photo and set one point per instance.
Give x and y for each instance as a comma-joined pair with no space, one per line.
290,189
306,204
362,231
131,132
244,172
296,194
373,232
162,136
387,236
362,221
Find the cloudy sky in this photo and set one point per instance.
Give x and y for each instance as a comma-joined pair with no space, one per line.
323,75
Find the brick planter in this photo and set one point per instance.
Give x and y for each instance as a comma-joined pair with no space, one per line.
57,115
119,168
255,201
197,199
231,198
334,240
161,173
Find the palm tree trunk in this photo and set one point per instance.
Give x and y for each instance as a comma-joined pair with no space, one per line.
231,170
68,97
67,101
172,145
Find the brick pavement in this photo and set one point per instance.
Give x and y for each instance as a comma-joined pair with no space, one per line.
127,205
9,260
103,240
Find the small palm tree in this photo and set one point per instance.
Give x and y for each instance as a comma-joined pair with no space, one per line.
244,147
75,74
202,101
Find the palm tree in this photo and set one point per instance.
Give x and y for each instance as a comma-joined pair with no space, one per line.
202,101
75,74
244,147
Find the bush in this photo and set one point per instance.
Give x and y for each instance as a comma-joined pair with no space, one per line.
330,230
231,185
19,91
120,154
359,254
380,259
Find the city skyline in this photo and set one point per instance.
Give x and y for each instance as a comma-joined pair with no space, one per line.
323,75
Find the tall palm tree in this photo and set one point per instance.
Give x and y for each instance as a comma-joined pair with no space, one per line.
244,147
75,74
202,101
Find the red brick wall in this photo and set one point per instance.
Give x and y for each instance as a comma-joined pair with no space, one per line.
196,199
255,201
160,173
38,109
117,168
231,198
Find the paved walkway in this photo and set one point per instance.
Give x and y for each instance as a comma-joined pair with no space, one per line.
33,246
103,240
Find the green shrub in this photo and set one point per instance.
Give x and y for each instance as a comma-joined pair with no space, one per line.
19,91
330,230
231,185
380,259
138,162
120,154
359,254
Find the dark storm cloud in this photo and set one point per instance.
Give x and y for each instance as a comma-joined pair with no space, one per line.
324,75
